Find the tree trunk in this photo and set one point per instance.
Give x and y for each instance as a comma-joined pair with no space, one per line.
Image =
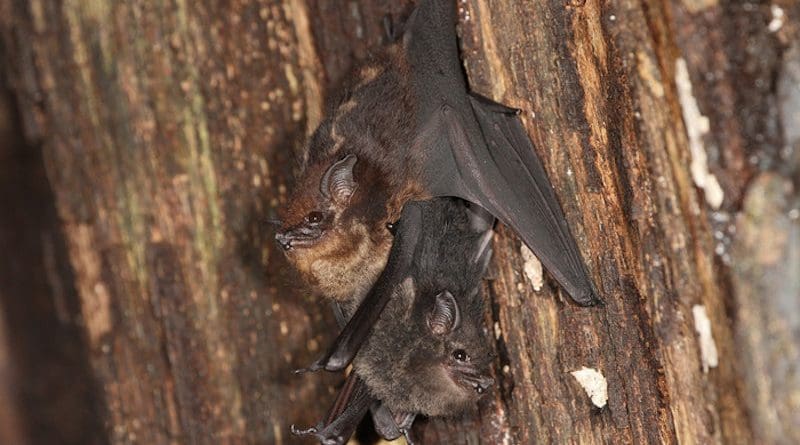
170,132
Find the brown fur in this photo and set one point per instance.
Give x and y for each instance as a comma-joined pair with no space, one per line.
405,363
373,120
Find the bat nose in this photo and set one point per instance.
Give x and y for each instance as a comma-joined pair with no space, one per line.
284,240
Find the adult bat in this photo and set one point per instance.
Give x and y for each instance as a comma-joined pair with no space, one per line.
405,128
428,352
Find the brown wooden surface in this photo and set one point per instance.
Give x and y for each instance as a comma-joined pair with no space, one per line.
170,131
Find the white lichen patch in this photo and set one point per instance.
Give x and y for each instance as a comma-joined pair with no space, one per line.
594,383
777,18
696,6
708,348
697,126
532,268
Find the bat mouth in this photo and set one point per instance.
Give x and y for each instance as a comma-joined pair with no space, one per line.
467,377
298,238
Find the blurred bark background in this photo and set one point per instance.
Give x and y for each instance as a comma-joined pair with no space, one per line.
145,143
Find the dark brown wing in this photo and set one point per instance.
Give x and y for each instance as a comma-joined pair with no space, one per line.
351,404
478,150
398,267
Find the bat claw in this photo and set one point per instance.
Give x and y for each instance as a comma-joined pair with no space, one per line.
313,368
322,433
303,432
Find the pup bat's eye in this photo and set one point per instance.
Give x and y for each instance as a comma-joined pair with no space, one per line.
314,217
460,355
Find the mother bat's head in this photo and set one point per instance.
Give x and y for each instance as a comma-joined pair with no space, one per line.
318,201
328,228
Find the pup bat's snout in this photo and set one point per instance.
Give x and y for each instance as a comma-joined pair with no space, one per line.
482,384
470,377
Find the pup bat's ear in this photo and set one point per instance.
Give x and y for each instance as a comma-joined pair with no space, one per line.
445,316
337,183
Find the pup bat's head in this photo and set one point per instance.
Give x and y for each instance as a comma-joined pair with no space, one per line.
453,356
429,352
332,228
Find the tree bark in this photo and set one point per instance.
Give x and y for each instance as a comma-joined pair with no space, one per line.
170,132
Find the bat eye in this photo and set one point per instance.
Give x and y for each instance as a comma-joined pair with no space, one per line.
314,217
460,355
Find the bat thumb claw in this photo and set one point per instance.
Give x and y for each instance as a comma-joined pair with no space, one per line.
313,368
304,432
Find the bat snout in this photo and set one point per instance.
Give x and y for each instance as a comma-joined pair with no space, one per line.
483,383
469,377
479,383
301,236
283,240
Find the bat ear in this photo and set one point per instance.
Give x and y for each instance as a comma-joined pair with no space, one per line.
445,316
337,183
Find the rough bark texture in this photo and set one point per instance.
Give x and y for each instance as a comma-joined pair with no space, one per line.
170,131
